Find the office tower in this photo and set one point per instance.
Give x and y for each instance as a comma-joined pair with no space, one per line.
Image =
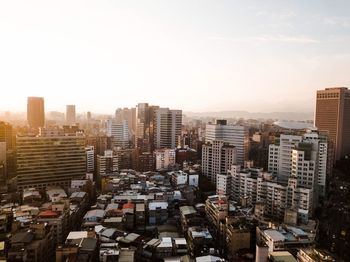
167,127
301,156
234,135
144,137
70,115
35,112
119,133
217,158
90,159
333,116
45,161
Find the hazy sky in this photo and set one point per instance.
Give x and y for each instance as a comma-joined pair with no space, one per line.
191,55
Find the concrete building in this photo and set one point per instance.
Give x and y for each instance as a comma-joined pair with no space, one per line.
333,116
233,135
167,128
90,159
58,218
35,112
280,155
70,115
199,240
33,245
282,238
165,158
303,156
314,255
144,137
45,161
250,187
128,115
178,178
157,212
119,133
223,184
216,208
107,164
237,235
217,158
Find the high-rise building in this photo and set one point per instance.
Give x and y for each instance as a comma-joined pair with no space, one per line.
217,158
302,156
35,112
90,159
144,127
70,115
128,115
232,134
45,161
119,133
251,186
167,127
333,116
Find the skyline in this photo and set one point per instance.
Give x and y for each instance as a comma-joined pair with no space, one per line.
196,57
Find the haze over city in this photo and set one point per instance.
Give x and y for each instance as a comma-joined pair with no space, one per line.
258,56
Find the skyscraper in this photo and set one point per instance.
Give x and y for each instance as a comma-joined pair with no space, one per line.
144,137
167,128
35,112
45,161
70,115
333,116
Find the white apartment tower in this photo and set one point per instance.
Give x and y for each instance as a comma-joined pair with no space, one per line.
217,158
167,128
232,134
252,186
303,157
90,159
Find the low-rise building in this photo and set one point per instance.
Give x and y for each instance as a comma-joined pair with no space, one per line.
314,255
199,240
282,238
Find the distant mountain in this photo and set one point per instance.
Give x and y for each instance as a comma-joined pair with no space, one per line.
296,116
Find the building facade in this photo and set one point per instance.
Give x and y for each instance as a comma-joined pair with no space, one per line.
35,112
333,116
234,135
45,161
217,158
119,133
70,115
167,125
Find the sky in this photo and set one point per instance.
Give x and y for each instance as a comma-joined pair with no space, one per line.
258,56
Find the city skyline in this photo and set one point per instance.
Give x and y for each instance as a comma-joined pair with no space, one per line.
194,57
